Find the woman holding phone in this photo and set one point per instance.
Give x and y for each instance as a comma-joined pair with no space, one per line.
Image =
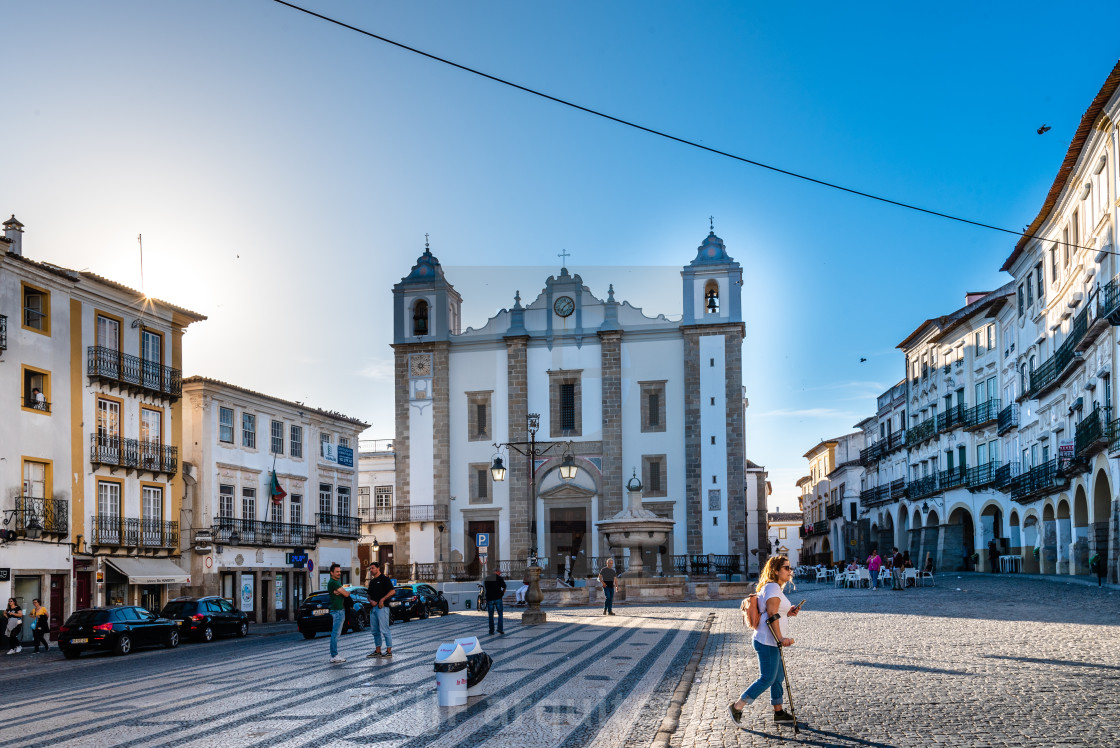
770,602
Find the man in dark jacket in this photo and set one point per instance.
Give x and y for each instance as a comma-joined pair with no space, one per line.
495,589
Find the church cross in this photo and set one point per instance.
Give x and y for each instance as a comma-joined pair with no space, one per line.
712,223
564,255
425,241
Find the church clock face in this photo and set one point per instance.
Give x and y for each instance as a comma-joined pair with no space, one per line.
421,365
564,306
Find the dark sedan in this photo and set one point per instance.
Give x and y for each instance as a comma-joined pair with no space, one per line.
417,600
118,629
314,615
203,618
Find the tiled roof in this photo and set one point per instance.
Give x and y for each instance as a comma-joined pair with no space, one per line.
326,413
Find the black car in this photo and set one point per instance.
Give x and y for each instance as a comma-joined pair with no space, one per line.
120,629
417,600
203,618
314,615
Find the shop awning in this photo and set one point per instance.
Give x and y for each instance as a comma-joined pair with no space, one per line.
150,571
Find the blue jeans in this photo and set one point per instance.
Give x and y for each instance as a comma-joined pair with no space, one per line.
874,578
608,598
770,675
491,606
379,622
337,617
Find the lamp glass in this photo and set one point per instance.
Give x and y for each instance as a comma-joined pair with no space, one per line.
568,468
498,470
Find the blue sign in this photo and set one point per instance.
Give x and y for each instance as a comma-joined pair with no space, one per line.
346,456
297,559
483,540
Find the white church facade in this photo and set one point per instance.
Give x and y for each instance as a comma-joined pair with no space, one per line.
617,390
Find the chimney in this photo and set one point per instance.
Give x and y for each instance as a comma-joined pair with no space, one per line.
13,232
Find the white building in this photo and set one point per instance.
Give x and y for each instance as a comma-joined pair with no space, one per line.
626,389
829,501
248,542
377,476
783,531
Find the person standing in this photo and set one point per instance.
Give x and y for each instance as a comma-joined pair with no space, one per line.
993,556
896,570
606,578
874,563
13,625
495,589
338,595
1096,566
772,604
380,590
40,626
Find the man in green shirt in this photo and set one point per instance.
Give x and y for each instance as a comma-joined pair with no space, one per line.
338,595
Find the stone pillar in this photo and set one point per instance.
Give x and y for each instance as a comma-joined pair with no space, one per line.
1049,542
735,436
441,437
517,465
401,450
1064,542
693,481
610,492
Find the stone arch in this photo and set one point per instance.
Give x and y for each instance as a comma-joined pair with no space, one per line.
902,533
421,318
826,551
931,542
1079,551
1032,538
711,296
1015,534
1101,518
566,512
885,538
1065,535
1048,555
991,535
959,540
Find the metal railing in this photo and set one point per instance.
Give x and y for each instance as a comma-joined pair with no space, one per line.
53,515
1052,370
952,418
1038,481
875,496
33,404
982,475
3,332
1094,431
982,414
410,513
868,455
832,511
338,524
727,565
261,533
952,477
1108,301
124,369
898,488
1005,473
923,487
133,454
895,440
817,528
1008,419
133,532
922,431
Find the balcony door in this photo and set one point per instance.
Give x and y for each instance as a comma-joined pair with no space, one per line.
109,431
151,428
153,516
108,513
109,343
151,355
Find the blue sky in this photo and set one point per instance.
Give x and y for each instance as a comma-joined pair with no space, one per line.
284,171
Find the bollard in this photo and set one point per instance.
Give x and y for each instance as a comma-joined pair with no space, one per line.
478,664
451,674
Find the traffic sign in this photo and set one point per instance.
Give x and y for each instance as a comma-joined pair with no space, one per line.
483,540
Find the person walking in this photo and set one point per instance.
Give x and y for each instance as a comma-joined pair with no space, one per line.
13,625
338,595
1096,566
896,570
380,590
606,578
495,590
40,626
771,602
523,590
874,564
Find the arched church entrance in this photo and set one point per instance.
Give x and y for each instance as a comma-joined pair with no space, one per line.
566,515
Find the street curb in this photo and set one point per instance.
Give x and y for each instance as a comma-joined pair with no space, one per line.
673,716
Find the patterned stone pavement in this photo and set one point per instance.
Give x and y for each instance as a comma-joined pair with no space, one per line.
582,679
978,660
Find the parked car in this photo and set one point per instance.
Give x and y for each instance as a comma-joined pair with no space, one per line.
417,600
203,618
120,629
314,615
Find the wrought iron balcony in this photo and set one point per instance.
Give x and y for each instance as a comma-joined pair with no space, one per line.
254,532
980,476
923,487
922,431
832,511
870,455
1040,480
952,418
1094,432
3,332
895,440
134,373
1008,419
952,477
339,525
898,489
1108,302
132,532
133,454
817,528
1052,371
410,513
1005,473
32,404
874,496
982,414
52,515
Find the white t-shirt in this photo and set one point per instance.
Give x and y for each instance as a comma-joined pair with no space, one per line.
762,635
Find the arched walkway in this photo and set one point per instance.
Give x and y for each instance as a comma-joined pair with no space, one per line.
885,538
1102,513
1031,540
914,545
903,535
931,540
991,537
1079,550
826,552
959,541
1048,557
1015,535
1065,536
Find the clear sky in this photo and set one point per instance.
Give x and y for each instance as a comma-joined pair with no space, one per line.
283,171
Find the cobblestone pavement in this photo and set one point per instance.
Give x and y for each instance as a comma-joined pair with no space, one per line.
581,679
978,660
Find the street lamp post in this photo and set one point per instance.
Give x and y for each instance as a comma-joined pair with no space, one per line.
533,449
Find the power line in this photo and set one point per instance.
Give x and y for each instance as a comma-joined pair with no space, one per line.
676,139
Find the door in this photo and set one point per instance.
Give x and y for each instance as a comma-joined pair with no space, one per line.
82,584
54,606
151,598
109,341
473,552
151,438
385,556
152,530
151,355
565,531
24,590
280,596
265,604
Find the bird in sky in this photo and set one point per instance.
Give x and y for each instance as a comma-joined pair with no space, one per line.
862,360
1044,129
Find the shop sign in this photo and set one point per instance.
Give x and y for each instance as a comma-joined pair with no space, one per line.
5,575
345,456
247,593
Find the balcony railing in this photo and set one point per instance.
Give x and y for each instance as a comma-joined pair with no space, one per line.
1008,419
340,525
131,532
895,440
1005,473
410,513
982,475
923,487
260,533
832,511
1094,432
982,414
52,515
922,431
1038,481
952,477
3,332
1108,301
875,496
133,372
952,418
33,404
818,528
133,454
869,455
1051,372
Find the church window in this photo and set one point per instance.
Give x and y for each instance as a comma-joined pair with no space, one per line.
712,363
653,475
420,318
478,478
478,416
711,298
653,406
565,404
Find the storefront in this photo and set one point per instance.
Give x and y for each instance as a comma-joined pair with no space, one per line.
147,582
43,574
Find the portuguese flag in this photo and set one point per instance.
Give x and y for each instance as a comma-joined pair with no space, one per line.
275,491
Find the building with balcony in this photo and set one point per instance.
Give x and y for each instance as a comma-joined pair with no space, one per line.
784,533
93,491
377,475
261,542
830,497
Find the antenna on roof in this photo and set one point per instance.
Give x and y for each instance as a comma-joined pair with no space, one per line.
140,241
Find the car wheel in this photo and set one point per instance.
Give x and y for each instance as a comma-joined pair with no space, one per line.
446,608
243,630
70,654
207,634
359,624
173,639
124,644
424,612
307,634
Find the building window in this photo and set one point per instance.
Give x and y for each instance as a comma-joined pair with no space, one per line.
781,533
1020,297
420,318
1030,292
478,476
1038,280
225,425
277,445
326,491
1054,264
297,441
249,430
108,421
711,297
108,505
276,512
108,333
343,496
324,441
653,475
715,500
565,404
248,503
36,390
383,503
36,309
991,336
225,500
478,416
296,511
344,442
653,406
363,499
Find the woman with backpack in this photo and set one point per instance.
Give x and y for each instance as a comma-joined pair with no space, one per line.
768,601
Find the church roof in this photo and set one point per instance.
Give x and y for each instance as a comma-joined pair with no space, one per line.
711,252
426,270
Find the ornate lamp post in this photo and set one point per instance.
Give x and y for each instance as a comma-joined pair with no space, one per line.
533,449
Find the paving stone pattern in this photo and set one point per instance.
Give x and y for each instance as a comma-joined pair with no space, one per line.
978,660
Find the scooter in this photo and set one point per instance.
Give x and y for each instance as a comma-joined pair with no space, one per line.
481,601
